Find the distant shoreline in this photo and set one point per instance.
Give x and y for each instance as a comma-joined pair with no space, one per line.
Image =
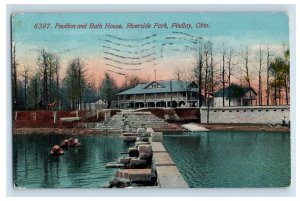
89,131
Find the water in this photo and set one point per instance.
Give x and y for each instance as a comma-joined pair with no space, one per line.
83,167
232,159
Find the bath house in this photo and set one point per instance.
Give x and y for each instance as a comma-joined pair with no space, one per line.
164,93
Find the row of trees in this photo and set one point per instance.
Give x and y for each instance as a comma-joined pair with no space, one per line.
213,70
258,69
34,90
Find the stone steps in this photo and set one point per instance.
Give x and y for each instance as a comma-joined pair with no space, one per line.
135,119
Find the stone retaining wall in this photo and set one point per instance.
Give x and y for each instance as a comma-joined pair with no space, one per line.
246,115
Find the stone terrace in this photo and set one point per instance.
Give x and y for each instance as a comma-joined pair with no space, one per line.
136,119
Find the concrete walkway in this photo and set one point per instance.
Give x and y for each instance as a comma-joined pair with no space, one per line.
194,127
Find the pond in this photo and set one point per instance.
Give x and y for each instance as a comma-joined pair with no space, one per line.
232,159
213,159
83,167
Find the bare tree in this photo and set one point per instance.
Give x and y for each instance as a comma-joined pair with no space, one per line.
212,80
49,65
224,49
25,76
260,56
245,58
268,75
199,72
230,57
206,73
14,76
178,73
57,67
33,91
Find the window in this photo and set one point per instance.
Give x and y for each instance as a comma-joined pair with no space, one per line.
154,85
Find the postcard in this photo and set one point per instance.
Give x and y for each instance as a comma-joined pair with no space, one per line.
151,100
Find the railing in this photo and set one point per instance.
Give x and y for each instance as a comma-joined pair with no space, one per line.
156,100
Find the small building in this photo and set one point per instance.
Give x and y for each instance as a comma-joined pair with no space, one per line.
165,93
235,95
95,103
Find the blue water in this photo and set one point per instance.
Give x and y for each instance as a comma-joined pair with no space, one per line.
81,167
232,159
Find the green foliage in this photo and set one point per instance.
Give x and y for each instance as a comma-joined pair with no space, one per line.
75,82
108,89
280,69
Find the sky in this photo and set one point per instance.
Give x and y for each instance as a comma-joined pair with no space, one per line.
170,42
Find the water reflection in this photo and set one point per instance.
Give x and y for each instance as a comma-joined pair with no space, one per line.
34,167
232,159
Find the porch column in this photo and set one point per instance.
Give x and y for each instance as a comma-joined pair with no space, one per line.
166,100
118,102
134,101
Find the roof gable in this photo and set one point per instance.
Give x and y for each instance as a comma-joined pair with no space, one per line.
154,85
192,85
234,91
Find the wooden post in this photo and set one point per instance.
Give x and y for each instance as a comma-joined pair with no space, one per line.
97,114
54,117
34,117
76,113
16,115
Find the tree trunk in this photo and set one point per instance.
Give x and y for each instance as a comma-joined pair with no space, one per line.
259,78
15,93
229,74
206,78
25,91
223,80
200,78
212,71
286,91
268,76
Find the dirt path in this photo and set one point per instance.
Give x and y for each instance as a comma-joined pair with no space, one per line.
60,131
